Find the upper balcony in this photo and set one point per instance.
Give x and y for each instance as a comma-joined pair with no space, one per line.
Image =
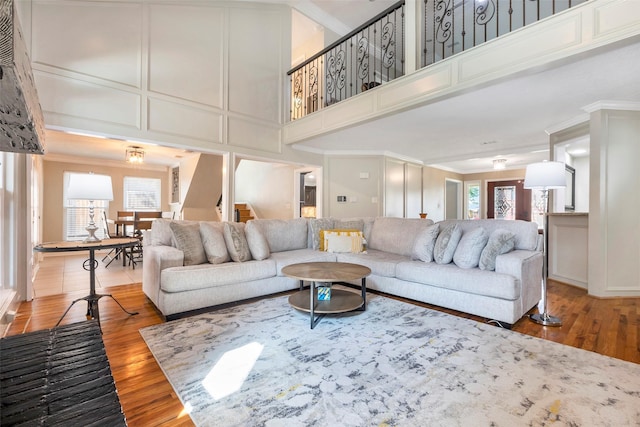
424,51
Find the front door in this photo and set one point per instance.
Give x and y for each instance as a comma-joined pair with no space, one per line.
508,200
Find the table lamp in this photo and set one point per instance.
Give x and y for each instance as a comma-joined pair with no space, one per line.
545,176
90,187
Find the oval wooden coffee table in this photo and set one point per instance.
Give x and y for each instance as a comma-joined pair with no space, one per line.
327,272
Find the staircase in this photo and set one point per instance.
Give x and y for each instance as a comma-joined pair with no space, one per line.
243,213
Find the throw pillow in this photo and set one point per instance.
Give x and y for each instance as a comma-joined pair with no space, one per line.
349,224
467,254
213,241
500,242
236,241
258,244
340,241
425,242
315,225
324,233
446,244
187,238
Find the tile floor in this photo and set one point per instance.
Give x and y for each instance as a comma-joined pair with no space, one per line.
59,274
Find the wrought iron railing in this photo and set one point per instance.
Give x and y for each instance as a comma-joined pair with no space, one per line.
451,26
374,53
363,59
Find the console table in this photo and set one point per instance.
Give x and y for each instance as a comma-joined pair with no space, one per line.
90,265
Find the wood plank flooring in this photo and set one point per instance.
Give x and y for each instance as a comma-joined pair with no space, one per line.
606,326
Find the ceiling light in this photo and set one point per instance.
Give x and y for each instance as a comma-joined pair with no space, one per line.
499,164
135,155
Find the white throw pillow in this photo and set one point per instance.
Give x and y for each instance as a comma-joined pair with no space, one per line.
188,240
213,241
446,244
339,241
470,247
258,244
500,242
425,242
236,241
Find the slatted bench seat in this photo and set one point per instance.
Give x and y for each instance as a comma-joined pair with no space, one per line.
58,377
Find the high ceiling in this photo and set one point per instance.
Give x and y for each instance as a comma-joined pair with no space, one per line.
466,132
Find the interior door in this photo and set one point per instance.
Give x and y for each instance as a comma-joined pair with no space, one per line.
508,200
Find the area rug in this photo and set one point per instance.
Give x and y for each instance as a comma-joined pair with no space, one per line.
396,364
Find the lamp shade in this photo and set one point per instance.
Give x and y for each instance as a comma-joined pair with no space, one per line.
545,175
89,187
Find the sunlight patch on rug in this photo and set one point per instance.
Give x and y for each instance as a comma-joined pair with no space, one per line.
395,364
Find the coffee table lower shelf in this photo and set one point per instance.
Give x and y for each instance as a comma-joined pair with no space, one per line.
341,302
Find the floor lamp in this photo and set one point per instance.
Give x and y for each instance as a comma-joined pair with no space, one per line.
545,176
90,187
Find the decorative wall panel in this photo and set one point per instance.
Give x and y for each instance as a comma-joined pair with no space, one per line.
186,52
96,39
510,53
255,64
178,119
613,17
71,97
249,134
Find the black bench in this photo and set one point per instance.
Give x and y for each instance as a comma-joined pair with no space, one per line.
59,376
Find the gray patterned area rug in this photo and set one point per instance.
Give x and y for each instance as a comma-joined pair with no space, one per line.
396,364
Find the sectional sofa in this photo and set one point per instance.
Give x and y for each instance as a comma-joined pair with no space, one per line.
489,268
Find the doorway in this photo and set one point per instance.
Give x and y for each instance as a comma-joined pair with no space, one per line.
453,199
508,200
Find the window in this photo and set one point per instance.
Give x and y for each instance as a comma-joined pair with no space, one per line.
76,216
473,199
141,194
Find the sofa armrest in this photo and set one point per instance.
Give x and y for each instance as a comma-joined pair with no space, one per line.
526,266
156,259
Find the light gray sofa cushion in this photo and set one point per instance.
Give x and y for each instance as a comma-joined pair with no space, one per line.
500,242
466,281
178,279
188,240
296,256
467,254
446,243
236,241
396,235
381,263
425,242
283,235
213,242
257,242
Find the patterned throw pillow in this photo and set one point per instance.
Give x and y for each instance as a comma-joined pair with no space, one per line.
213,241
425,243
236,241
500,242
470,247
446,244
315,226
187,239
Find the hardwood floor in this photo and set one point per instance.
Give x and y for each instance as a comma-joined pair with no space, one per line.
606,326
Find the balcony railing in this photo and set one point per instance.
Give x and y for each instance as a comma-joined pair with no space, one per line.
374,53
363,59
452,26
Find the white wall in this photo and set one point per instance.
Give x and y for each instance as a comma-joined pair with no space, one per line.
614,249
360,179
